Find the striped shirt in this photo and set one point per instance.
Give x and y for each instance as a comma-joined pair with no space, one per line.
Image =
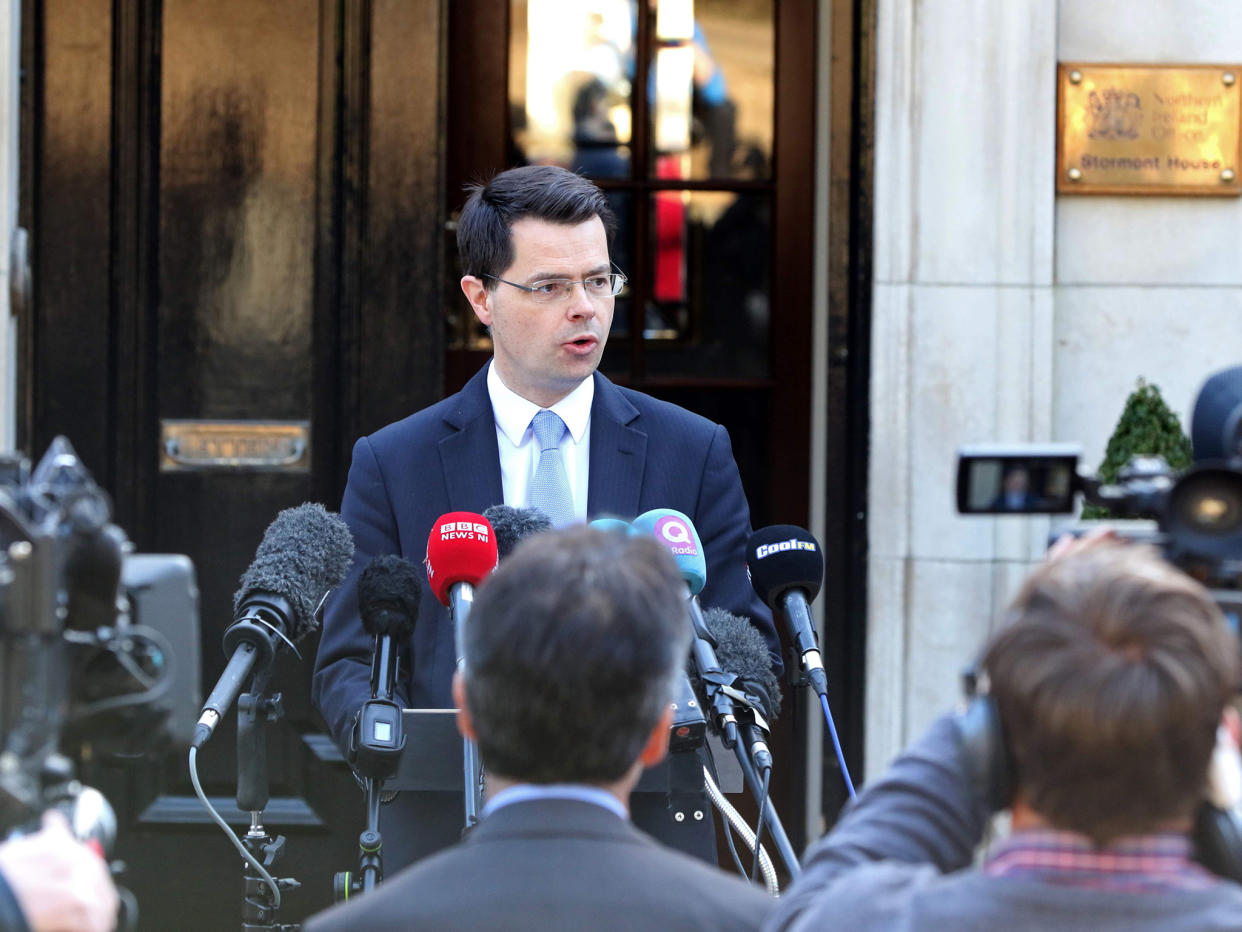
1137,864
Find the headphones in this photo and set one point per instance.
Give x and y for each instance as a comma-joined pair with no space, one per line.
1217,833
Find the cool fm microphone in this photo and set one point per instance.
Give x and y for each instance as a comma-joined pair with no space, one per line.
304,552
461,551
388,598
786,567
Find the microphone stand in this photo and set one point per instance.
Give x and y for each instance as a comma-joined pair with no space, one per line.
472,765
255,711
732,740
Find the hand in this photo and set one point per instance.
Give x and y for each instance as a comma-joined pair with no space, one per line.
1067,544
60,883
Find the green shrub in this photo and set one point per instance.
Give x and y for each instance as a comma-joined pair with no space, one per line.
1147,427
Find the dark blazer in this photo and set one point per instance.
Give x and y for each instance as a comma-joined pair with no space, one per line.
645,454
549,865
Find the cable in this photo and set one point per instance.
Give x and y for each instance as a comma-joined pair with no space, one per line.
157,688
735,820
836,744
246,855
763,808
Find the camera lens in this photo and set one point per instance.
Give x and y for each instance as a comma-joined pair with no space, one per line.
1214,509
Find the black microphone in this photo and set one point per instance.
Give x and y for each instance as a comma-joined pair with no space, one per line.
388,599
304,552
514,525
1216,422
786,567
742,653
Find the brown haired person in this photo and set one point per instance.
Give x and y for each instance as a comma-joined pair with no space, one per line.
1110,680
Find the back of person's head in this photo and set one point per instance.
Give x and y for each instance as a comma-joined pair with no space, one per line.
572,649
1110,679
542,192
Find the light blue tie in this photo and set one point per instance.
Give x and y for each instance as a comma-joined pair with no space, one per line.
549,486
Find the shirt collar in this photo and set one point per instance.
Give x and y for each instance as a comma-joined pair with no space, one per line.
513,413
579,792
1159,861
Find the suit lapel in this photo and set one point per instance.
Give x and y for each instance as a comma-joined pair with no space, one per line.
469,457
618,454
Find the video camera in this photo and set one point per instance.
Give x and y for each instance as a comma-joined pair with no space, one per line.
99,647
1197,512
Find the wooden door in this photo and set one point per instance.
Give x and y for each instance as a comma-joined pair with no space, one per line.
234,216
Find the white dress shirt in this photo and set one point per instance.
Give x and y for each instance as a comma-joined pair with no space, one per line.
519,452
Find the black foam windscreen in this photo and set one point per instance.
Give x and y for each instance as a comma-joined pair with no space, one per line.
784,557
388,597
305,552
742,651
1216,423
514,525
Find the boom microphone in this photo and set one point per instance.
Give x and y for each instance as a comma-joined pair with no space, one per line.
742,651
514,525
304,552
744,654
388,597
786,567
461,551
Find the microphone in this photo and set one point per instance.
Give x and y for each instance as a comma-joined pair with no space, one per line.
1216,422
461,551
514,525
786,567
612,525
676,532
388,598
743,653
304,552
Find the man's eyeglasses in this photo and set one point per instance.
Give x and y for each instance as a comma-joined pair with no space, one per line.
553,290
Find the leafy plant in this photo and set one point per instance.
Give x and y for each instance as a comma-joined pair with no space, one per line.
1148,427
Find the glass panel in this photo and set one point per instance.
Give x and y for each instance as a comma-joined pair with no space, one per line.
708,311
570,70
712,89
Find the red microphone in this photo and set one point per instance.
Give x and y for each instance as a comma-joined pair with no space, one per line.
461,551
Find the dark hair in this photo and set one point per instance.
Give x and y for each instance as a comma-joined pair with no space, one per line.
545,192
571,650
1110,680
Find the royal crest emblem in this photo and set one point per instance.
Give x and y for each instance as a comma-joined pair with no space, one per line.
1115,114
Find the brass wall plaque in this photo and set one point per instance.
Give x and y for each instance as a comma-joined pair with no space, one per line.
234,445
1148,129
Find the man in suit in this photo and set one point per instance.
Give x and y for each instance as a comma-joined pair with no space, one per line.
534,246
572,651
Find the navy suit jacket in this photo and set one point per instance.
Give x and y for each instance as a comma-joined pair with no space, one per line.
644,454
554,865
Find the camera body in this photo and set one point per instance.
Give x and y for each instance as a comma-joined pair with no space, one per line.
99,647
1197,512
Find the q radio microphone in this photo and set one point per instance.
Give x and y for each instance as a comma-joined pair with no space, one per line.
676,532
786,567
514,525
304,552
461,551
388,598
